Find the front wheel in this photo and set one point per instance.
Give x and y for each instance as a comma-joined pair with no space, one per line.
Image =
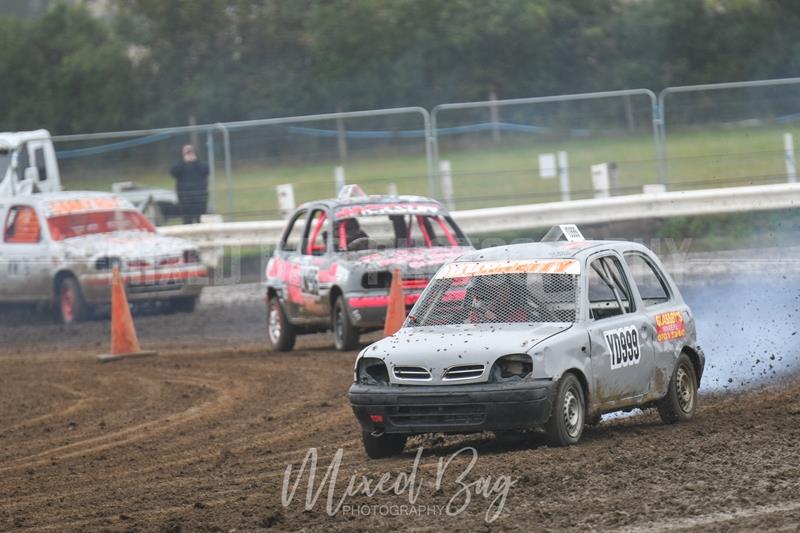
72,307
565,426
280,331
383,445
345,334
680,403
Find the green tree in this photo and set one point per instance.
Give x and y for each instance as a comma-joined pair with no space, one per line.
64,71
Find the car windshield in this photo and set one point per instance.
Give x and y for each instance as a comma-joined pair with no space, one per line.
500,292
395,230
73,225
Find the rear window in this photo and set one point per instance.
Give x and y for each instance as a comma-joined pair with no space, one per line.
97,222
506,292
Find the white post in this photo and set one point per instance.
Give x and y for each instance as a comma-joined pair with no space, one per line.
338,179
563,175
286,199
788,148
446,176
392,189
600,180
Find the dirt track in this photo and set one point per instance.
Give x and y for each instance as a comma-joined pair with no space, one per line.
199,438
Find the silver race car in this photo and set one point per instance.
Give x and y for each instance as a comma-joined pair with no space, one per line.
60,248
546,335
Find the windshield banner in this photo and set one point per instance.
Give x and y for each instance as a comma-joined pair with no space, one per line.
529,266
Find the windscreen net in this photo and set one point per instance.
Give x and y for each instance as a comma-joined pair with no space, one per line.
493,296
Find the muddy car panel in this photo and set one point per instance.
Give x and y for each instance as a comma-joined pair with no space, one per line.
153,266
307,280
622,361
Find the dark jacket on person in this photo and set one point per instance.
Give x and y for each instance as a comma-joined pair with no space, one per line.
192,186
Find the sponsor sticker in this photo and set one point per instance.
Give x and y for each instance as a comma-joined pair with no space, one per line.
670,326
488,268
404,208
78,205
623,346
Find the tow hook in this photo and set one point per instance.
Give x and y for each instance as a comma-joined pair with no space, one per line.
377,433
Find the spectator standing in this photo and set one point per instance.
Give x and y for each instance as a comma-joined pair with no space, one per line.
191,184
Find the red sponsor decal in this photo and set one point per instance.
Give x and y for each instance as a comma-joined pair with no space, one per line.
361,302
670,326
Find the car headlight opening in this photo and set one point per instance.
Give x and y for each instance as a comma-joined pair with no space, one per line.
512,367
372,371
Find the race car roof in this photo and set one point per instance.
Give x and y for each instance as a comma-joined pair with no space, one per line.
373,199
545,250
71,201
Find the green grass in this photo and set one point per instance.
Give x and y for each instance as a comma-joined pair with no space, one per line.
491,175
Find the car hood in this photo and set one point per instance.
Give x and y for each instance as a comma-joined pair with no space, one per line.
125,245
408,260
439,348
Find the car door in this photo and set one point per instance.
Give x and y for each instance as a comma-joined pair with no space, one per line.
287,264
667,316
622,357
26,258
315,264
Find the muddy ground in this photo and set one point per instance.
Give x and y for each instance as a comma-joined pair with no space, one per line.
199,439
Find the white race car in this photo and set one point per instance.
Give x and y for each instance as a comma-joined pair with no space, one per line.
60,248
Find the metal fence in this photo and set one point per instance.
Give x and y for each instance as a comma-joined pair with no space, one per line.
474,154
384,150
543,148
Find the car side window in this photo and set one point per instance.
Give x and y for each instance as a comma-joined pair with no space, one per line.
294,234
22,226
651,283
609,292
316,240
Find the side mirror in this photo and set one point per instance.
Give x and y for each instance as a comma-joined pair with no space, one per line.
31,174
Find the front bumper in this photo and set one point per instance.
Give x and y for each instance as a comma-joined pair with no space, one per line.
161,284
453,408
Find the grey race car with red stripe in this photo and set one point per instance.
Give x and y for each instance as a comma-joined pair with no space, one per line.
333,265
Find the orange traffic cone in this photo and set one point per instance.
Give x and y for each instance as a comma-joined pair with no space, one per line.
396,310
124,343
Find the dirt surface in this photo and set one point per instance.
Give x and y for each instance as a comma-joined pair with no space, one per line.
199,438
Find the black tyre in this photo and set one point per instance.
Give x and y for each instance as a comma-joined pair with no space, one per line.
566,423
680,403
185,304
384,445
280,332
70,305
345,334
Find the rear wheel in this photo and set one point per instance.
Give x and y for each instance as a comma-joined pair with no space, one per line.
383,445
345,334
71,307
280,332
680,403
565,426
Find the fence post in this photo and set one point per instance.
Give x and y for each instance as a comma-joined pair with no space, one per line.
226,139
494,116
212,173
660,137
430,143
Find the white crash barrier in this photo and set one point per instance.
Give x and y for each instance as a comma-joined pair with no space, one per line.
519,217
